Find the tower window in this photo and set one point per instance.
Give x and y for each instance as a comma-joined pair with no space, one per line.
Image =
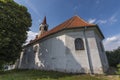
79,44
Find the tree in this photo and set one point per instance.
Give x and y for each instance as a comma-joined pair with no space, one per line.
118,69
14,24
113,57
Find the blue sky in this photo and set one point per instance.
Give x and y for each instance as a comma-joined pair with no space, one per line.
105,13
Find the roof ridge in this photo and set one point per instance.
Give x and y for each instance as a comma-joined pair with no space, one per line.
84,20
70,21
62,23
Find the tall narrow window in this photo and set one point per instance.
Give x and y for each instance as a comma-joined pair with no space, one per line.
79,44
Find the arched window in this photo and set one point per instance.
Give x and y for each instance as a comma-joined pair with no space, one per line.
79,45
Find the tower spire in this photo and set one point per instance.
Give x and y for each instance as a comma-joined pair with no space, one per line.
44,20
43,27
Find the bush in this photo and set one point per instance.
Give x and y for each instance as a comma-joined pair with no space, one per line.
1,65
118,69
113,57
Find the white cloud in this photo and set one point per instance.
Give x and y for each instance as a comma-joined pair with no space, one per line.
102,21
31,35
112,19
39,20
91,20
32,6
29,4
112,42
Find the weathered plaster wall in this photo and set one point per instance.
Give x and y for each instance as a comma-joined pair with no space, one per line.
94,53
77,60
28,58
52,53
102,54
57,52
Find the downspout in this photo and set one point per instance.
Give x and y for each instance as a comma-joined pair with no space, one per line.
88,52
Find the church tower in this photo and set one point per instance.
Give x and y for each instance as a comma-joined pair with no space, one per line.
43,27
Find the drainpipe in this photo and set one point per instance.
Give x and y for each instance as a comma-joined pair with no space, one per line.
88,52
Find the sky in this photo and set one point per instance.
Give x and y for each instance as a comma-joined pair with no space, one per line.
105,13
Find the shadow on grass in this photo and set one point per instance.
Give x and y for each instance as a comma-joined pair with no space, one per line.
35,73
43,75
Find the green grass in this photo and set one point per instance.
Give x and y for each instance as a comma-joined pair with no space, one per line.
43,75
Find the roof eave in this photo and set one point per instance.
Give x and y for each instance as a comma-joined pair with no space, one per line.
99,31
62,30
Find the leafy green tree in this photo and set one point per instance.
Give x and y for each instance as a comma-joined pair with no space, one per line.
14,24
113,57
118,69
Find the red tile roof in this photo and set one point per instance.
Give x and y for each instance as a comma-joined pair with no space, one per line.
74,22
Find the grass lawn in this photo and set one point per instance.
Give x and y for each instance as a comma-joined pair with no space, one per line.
44,75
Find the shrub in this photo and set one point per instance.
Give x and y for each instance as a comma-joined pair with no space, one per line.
118,69
1,64
113,57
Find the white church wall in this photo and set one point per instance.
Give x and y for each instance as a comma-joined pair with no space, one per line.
102,53
27,61
57,52
37,61
52,53
94,53
77,60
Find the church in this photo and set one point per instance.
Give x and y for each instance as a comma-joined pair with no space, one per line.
74,46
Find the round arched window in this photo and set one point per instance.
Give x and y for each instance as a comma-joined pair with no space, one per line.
79,45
